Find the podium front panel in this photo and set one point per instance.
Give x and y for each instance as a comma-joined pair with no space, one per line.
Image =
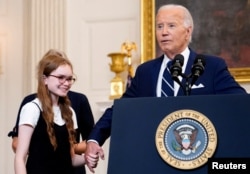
135,121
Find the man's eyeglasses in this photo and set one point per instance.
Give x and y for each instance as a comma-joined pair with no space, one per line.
63,79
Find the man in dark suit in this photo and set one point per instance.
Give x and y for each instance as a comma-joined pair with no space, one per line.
174,27
84,116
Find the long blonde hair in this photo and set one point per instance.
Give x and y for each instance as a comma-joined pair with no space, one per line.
51,61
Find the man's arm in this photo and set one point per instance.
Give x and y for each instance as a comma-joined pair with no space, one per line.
98,136
102,128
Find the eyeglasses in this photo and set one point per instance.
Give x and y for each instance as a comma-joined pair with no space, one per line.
63,79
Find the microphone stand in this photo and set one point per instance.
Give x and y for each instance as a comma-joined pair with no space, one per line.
190,80
187,87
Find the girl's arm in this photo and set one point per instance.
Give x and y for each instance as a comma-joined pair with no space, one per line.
24,137
80,147
78,160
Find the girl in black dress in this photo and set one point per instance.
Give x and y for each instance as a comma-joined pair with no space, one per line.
47,124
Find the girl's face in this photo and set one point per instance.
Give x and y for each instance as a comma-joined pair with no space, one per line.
59,81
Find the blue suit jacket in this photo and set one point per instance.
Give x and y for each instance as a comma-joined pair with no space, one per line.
216,79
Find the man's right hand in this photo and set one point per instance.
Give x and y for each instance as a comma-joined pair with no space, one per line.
92,155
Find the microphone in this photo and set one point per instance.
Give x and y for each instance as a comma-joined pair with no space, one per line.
176,67
197,68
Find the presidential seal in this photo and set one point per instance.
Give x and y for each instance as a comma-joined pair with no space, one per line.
185,139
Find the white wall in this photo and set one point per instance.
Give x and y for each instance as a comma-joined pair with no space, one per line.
11,37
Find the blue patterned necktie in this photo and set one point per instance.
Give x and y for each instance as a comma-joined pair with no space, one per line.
167,86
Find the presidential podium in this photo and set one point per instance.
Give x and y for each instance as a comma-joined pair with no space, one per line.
135,122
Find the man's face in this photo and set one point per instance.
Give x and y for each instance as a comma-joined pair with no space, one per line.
171,34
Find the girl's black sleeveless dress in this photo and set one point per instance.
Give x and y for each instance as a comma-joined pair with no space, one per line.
42,158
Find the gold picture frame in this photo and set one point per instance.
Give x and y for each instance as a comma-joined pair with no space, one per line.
148,48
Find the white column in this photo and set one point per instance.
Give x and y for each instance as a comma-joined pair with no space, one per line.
46,28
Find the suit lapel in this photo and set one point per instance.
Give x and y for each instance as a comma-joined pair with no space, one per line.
190,62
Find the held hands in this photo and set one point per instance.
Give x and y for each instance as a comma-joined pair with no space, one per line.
92,155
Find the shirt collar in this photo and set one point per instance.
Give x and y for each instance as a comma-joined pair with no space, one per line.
185,54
